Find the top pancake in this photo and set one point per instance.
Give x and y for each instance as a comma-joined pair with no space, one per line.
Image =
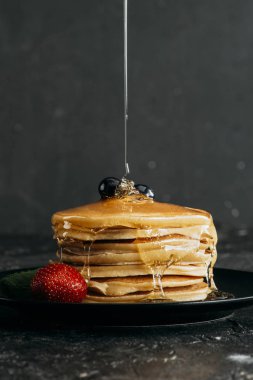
132,212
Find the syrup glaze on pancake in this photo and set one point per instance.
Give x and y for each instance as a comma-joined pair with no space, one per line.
134,212
133,237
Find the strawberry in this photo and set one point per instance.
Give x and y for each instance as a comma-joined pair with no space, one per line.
59,283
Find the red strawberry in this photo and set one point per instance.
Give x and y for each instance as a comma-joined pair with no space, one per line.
59,283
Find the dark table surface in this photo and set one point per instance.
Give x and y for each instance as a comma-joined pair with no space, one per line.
213,350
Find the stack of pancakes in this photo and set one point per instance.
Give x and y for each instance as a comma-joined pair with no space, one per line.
126,247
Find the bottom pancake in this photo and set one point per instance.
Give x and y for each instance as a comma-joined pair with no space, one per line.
125,285
197,292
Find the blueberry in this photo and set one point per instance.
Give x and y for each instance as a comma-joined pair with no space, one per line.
108,186
144,189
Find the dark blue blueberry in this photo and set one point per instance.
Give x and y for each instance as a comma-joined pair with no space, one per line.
108,186
144,189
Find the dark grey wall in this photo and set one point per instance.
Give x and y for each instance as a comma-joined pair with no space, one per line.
61,89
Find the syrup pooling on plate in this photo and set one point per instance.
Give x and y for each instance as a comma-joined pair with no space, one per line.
216,295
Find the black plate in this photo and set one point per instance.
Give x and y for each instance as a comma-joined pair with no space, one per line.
239,283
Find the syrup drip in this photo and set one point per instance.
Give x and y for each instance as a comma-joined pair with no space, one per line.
157,271
158,268
86,266
208,267
59,242
208,280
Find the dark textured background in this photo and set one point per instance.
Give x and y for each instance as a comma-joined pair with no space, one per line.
61,108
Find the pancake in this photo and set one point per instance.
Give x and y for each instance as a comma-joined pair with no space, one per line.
102,271
196,292
122,246
134,212
109,258
126,285
72,231
178,242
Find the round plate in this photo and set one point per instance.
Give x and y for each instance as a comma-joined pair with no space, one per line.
239,283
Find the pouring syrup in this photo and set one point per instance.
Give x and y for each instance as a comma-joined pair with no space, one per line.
127,171
159,264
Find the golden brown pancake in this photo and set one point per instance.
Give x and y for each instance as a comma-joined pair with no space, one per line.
125,285
196,292
70,230
109,258
104,271
133,212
